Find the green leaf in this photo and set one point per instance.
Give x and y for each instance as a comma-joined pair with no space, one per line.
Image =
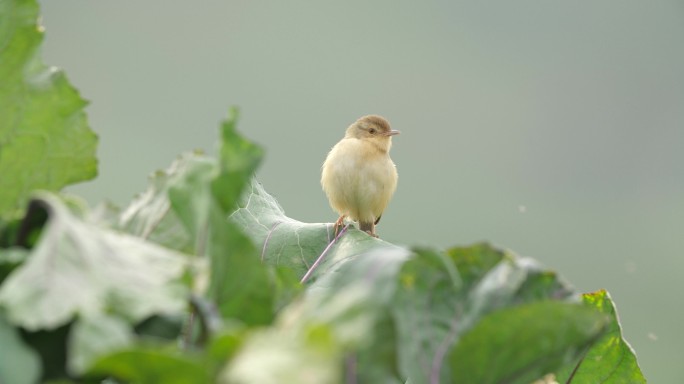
151,366
609,359
292,244
19,364
150,215
91,337
45,141
274,356
238,160
523,343
441,296
427,308
79,268
10,259
186,208
356,302
52,347
433,298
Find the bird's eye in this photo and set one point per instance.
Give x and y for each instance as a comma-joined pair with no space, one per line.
372,131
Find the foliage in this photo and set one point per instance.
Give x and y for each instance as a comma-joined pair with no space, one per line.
45,142
200,278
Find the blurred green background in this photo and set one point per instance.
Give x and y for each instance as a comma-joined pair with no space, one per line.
553,129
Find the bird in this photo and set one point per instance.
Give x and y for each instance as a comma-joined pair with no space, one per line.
358,175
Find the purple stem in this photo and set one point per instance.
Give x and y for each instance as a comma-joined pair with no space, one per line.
320,258
350,377
441,351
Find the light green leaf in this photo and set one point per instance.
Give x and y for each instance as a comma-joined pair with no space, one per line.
292,244
92,337
79,268
275,356
19,364
150,215
609,359
45,141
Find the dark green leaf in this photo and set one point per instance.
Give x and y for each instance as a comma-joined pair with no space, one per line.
52,347
161,327
151,366
523,343
10,259
45,141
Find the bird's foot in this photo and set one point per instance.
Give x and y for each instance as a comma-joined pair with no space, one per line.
373,234
338,225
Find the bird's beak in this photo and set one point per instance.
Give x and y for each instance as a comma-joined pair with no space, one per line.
392,132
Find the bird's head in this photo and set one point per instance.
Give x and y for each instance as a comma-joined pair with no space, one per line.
373,128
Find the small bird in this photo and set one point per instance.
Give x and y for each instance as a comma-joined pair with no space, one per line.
358,175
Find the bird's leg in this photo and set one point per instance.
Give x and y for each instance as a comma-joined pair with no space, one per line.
338,224
368,227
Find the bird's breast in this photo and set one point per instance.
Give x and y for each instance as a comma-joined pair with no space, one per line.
358,179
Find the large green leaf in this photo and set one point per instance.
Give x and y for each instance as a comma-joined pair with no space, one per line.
293,244
608,359
433,300
523,343
103,280
79,268
45,142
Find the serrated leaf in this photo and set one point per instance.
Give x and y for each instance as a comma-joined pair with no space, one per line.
79,268
19,364
609,359
45,141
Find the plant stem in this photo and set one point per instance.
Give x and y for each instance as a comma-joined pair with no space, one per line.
320,258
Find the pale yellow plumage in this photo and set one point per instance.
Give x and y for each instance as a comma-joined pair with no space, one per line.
358,175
